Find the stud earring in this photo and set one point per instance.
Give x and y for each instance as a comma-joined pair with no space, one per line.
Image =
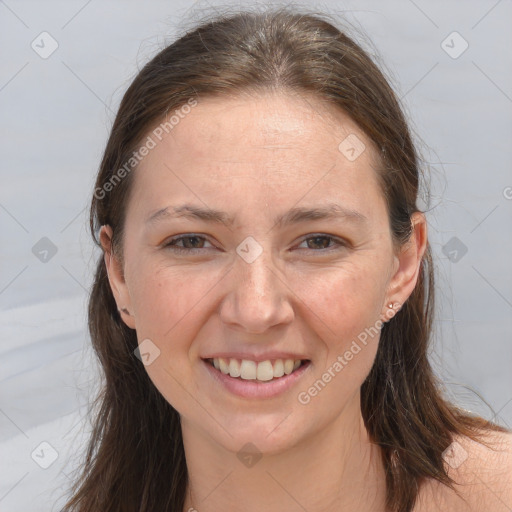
390,313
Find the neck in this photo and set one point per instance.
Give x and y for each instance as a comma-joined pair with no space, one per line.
335,468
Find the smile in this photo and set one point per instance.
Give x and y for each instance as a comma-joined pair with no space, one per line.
251,370
252,380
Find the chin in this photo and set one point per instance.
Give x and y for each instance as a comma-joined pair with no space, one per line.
269,435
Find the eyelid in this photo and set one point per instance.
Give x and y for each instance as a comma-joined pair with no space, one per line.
177,238
338,242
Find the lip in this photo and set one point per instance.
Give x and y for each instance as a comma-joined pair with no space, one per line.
263,356
257,389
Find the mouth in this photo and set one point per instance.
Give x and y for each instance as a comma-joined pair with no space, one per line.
264,371
253,380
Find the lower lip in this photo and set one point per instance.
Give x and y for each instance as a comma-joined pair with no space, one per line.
255,388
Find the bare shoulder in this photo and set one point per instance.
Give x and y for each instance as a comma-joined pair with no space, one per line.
482,475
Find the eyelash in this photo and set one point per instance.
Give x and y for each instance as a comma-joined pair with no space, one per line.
169,244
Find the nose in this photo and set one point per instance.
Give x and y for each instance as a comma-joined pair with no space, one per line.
257,297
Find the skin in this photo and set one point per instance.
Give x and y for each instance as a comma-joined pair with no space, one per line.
483,480
256,157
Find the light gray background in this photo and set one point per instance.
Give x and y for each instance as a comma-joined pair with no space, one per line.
55,118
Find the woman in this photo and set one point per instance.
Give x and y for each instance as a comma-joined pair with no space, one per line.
263,305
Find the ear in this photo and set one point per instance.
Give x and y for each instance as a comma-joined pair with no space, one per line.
116,277
408,263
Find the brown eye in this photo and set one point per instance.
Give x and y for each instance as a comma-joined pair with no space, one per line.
323,242
190,243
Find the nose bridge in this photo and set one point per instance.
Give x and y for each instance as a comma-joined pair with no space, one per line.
258,277
257,299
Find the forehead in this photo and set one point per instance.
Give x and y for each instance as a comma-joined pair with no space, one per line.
225,126
274,143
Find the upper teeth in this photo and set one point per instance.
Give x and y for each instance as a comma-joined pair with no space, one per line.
251,370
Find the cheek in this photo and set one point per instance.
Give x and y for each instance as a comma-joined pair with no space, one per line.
171,308
346,326
335,309
167,300
341,300
344,312
345,298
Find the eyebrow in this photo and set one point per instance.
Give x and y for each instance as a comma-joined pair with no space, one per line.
292,216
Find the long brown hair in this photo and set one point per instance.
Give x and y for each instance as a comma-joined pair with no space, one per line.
135,459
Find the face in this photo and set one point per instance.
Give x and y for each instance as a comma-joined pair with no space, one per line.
246,283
